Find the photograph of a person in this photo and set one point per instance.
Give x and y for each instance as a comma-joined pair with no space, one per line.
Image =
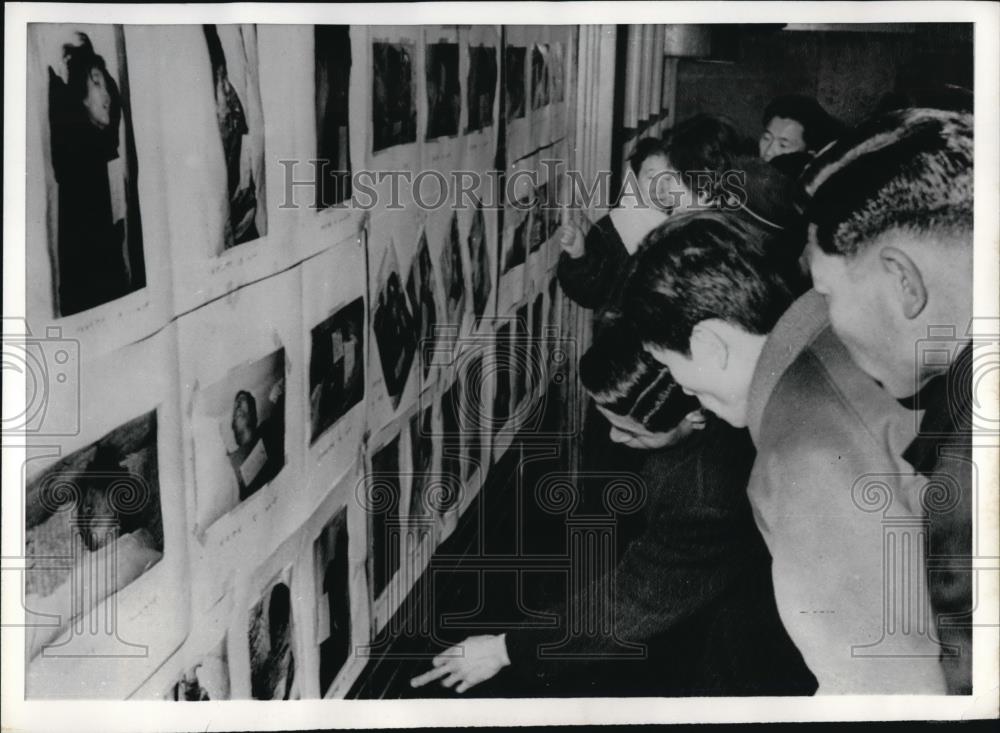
420,288
336,366
394,102
97,506
479,256
333,599
481,88
453,277
421,459
271,635
383,510
206,680
232,52
95,239
238,430
514,82
444,94
539,75
395,326
333,79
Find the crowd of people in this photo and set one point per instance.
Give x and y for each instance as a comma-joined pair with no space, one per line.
785,361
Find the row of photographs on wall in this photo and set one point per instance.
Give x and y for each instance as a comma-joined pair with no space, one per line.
241,434
96,217
105,500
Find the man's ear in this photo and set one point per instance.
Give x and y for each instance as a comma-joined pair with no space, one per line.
708,346
907,280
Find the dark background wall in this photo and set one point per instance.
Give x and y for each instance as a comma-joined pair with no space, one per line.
848,71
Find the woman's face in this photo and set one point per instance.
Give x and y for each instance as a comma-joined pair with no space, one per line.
97,102
663,186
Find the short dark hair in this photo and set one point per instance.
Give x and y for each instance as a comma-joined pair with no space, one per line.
905,169
647,147
705,265
819,127
624,379
703,143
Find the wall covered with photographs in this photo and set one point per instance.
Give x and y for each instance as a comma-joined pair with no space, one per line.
293,380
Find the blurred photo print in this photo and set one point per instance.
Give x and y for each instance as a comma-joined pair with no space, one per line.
239,435
479,256
481,86
232,52
395,326
453,277
394,102
382,506
422,462
444,95
206,680
333,150
99,508
539,76
94,227
514,82
336,367
333,599
271,639
420,288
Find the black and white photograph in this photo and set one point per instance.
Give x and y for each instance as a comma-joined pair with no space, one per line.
557,73
333,118
207,679
336,366
422,464
517,250
481,87
95,238
502,369
514,81
453,278
395,326
271,638
232,53
394,95
98,512
333,599
239,434
444,93
539,75
538,219
452,456
383,494
421,286
482,268
678,405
